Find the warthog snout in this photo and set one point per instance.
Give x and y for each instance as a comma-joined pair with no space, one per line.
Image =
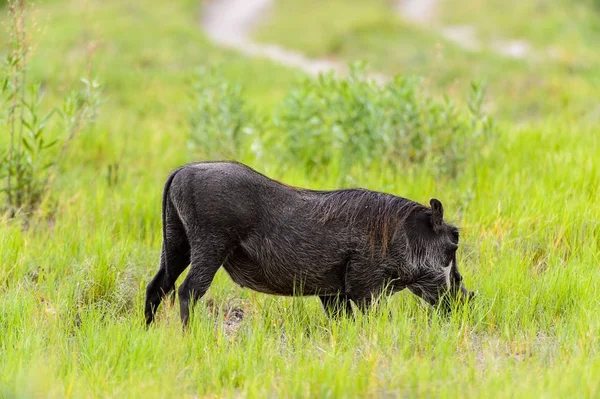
454,298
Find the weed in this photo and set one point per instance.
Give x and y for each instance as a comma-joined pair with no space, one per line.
28,164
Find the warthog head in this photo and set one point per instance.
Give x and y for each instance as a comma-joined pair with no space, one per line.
433,247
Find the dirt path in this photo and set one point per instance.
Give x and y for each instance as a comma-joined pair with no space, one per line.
230,22
423,12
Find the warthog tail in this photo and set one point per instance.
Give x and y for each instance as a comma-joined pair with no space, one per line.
165,198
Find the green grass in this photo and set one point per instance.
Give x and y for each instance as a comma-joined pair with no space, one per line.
72,285
570,26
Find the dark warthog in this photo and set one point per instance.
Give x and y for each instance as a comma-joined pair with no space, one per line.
342,245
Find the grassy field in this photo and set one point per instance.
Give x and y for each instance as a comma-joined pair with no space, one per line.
72,283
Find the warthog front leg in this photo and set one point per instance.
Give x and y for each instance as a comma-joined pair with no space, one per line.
336,305
365,287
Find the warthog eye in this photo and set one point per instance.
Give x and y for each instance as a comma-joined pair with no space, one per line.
455,236
451,249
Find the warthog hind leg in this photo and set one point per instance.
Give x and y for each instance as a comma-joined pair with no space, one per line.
205,264
171,267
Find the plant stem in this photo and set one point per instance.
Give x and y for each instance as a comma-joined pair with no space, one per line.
18,70
11,117
22,70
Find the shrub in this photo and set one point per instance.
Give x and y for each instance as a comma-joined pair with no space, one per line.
335,124
29,158
358,121
219,117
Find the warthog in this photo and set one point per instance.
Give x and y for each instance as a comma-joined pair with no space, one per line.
343,245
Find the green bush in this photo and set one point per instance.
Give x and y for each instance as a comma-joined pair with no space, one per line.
359,121
219,116
340,123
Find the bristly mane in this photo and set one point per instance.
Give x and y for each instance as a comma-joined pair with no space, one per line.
380,213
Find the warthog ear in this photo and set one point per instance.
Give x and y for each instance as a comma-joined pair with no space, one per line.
437,214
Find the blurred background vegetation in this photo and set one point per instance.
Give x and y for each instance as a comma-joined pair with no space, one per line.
491,106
